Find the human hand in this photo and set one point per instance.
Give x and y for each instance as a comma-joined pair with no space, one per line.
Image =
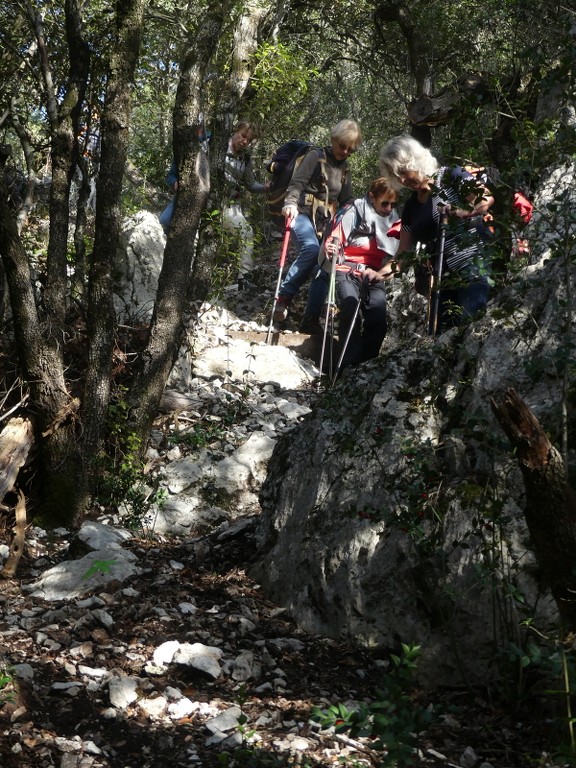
461,213
290,212
332,247
372,275
385,273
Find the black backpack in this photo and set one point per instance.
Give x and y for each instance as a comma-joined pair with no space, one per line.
282,165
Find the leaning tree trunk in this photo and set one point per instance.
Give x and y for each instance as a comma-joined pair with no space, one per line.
193,185
550,502
175,289
232,89
40,340
43,370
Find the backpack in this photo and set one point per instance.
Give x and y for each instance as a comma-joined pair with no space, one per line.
281,166
330,226
360,229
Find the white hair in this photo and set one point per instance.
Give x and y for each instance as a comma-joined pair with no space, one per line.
405,153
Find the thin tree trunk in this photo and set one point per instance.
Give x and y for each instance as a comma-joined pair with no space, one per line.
550,502
101,315
232,91
42,369
40,340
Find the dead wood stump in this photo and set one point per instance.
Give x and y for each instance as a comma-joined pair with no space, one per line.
550,510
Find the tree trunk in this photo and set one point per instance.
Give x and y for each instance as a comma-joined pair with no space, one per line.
433,110
232,90
101,315
15,442
194,183
17,545
40,342
550,502
43,370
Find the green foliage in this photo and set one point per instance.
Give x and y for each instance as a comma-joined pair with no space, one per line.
281,77
98,567
249,755
122,479
198,436
7,692
393,722
548,666
421,517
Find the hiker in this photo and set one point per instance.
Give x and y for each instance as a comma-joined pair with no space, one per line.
172,177
239,175
436,190
360,236
319,186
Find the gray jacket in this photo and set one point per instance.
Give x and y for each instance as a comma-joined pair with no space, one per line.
239,175
318,166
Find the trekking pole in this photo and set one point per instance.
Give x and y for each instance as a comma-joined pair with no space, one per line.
329,308
436,277
363,293
283,253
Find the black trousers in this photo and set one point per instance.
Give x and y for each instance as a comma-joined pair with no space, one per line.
370,326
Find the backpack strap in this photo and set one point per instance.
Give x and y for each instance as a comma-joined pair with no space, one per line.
324,175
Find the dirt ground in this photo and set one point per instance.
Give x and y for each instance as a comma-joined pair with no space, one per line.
38,720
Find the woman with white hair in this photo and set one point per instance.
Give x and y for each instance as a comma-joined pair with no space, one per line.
436,190
320,185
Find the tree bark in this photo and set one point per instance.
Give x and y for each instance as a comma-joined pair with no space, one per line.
433,110
40,334
17,545
101,319
233,89
43,370
193,186
550,502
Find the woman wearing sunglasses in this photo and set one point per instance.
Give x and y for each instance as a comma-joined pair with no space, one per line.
360,242
320,185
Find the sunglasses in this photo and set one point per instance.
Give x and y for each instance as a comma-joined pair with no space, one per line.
346,148
385,203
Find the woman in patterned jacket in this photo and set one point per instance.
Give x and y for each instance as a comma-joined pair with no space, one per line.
437,189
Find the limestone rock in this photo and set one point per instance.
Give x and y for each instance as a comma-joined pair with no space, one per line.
387,511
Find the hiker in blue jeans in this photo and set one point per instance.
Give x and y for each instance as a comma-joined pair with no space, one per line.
305,239
319,187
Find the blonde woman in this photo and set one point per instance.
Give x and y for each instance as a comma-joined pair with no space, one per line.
319,187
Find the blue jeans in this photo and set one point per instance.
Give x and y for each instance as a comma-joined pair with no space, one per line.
305,265
166,215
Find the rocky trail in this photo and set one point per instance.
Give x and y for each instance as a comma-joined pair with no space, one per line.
161,667
148,646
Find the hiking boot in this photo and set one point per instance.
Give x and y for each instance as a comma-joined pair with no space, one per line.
281,308
310,325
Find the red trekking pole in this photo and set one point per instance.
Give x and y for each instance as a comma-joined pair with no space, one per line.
281,267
